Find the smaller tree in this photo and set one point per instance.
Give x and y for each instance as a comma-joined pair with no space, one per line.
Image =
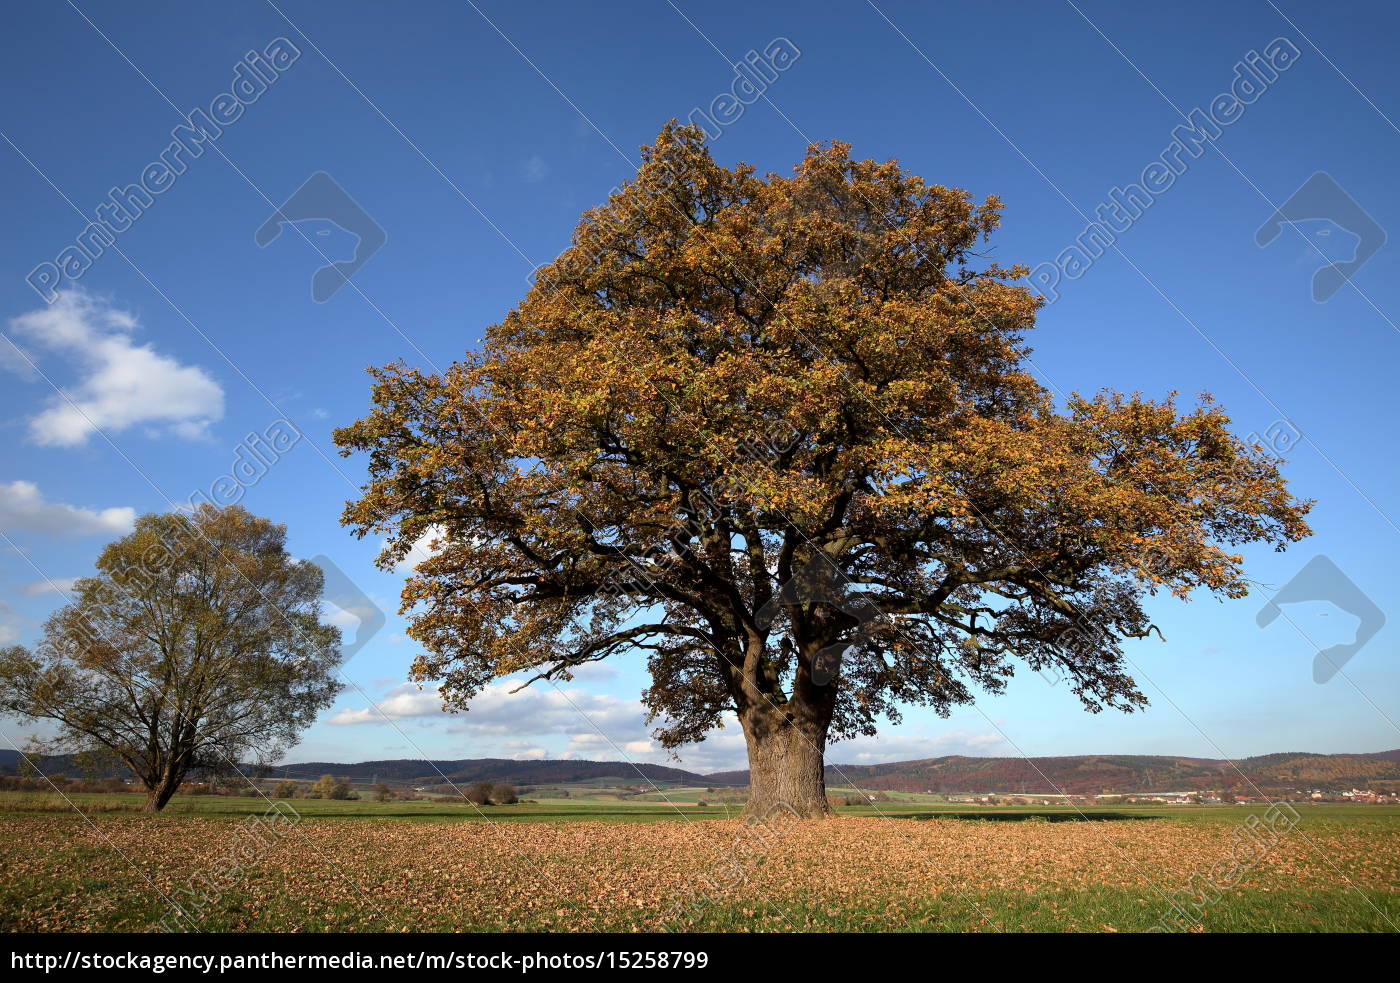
342,791
324,788
383,793
197,646
503,795
286,789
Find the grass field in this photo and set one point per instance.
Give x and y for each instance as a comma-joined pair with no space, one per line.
562,865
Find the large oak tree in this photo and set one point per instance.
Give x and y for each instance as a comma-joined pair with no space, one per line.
196,645
780,434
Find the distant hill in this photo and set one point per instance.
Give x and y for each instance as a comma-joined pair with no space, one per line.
405,770
1079,774
1093,773
58,764
419,771
548,772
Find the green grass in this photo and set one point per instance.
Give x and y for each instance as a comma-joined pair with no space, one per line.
1231,814
669,805
64,874
605,807
114,806
1095,909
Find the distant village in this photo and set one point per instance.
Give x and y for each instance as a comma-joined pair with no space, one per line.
1191,797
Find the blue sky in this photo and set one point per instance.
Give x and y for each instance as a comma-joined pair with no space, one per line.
474,135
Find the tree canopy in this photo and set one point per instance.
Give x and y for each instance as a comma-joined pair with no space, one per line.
196,645
746,422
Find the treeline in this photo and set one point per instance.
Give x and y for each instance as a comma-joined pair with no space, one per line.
465,770
15,783
61,782
340,789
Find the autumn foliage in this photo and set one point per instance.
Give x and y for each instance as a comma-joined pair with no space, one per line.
779,433
196,646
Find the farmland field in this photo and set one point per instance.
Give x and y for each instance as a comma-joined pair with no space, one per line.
574,866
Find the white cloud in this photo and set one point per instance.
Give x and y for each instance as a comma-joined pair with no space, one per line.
123,384
525,751
536,723
55,585
912,747
402,702
497,712
339,617
15,359
10,621
725,750
588,744
420,550
594,672
722,750
23,507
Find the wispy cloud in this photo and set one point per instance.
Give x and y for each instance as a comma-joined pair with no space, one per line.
534,169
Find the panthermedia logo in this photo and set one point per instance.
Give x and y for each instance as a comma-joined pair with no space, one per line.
321,199
1321,198
351,602
1322,580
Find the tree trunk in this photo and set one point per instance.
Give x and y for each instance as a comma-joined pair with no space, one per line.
786,766
157,796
